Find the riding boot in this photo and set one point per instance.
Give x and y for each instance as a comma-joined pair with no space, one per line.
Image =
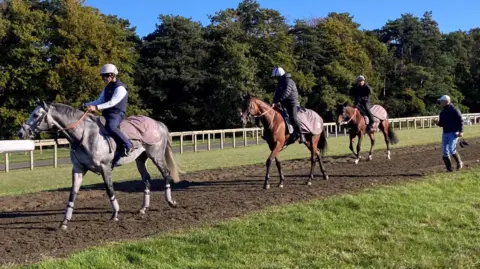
119,153
292,138
302,138
448,163
458,160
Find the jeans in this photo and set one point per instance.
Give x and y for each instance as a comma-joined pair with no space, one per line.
112,122
449,144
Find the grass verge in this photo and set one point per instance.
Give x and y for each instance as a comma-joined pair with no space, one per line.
429,224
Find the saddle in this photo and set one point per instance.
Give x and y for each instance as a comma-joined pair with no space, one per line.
286,118
310,122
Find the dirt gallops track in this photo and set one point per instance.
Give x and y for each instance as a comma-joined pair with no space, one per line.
28,224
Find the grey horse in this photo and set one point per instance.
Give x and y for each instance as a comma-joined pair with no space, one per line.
92,151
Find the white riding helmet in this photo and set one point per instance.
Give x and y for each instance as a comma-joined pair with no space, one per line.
278,72
109,69
360,78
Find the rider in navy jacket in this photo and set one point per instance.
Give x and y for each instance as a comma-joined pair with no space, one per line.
113,102
287,95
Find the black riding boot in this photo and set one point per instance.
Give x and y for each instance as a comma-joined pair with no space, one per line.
458,160
302,138
448,163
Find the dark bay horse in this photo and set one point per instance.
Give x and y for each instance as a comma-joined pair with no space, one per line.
357,124
91,151
277,137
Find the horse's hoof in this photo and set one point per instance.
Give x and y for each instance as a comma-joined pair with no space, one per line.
114,218
280,186
142,211
309,183
266,187
325,177
356,161
369,157
63,227
173,204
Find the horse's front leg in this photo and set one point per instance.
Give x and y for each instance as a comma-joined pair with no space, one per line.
107,180
352,140
77,178
268,164
359,147
279,167
372,144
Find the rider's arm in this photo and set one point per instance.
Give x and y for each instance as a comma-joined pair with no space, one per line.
98,101
118,95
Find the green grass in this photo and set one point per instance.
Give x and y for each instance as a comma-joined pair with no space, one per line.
47,178
429,224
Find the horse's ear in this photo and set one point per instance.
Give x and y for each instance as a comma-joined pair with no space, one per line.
247,96
345,104
42,104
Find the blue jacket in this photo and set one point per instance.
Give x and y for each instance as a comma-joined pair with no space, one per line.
121,107
451,119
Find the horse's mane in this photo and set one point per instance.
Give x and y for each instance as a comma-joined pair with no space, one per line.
70,111
262,102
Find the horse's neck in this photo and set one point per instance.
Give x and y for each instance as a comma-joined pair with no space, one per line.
269,114
83,128
356,116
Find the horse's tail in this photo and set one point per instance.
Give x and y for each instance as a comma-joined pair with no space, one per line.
172,163
392,136
322,143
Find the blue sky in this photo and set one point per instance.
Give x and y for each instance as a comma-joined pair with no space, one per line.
370,14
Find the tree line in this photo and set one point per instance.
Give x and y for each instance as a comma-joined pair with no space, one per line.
192,76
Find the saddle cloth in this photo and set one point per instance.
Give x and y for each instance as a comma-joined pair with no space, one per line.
310,122
379,114
140,128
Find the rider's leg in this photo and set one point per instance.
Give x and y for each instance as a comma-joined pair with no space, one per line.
368,113
292,112
112,125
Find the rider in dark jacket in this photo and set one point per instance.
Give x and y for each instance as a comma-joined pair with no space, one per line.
287,96
361,93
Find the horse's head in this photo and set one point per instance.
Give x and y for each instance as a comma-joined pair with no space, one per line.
342,112
249,108
38,121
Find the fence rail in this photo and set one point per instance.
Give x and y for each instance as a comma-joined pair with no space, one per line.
191,138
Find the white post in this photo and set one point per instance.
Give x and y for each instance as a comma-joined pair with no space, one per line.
222,139
55,164
195,142
208,141
233,133
6,163
245,138
181,144
31,160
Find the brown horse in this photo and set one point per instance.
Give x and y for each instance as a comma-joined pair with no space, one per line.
358,126
276,135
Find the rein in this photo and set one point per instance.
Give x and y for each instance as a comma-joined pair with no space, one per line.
353,116
71,126
264,113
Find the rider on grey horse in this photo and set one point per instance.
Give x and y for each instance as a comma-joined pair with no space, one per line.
113,102
287,95
361,92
